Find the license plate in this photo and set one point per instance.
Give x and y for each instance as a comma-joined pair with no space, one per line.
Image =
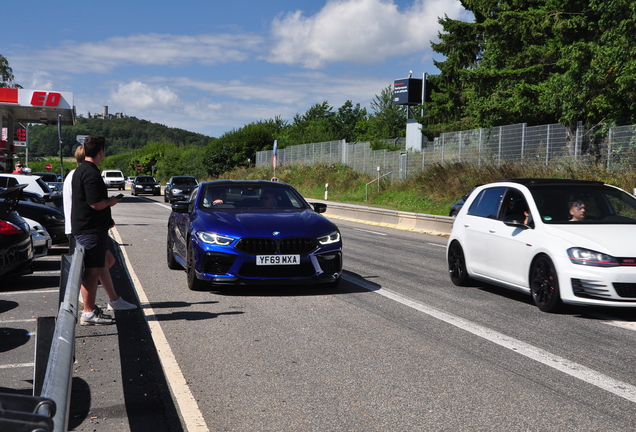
277,259
148,189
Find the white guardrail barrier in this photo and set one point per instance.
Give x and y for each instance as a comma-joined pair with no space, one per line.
440,225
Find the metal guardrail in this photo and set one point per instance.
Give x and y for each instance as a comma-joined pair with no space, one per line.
48,410
59,369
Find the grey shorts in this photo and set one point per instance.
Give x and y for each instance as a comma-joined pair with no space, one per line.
95,247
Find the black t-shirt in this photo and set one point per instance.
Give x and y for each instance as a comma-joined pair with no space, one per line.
89,188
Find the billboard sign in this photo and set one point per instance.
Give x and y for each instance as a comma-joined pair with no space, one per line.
407,91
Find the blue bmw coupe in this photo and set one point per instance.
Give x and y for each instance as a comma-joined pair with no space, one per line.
250,233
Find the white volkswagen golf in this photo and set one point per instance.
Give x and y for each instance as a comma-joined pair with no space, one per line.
561,241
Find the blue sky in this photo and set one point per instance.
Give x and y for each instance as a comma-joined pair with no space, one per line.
213,66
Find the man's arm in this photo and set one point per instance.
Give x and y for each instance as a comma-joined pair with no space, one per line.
108,202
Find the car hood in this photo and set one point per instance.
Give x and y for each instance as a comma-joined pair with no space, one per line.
263,223
609,239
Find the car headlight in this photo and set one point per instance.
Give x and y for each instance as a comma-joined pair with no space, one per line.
139,186
176,191
591,258
216,239
333,237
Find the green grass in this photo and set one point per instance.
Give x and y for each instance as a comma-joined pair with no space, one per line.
432,191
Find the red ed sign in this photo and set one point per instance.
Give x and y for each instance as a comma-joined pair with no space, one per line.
41,98
48,167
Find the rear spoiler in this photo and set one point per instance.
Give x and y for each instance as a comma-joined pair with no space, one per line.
11,196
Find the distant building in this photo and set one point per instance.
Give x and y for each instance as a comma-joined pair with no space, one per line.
105,114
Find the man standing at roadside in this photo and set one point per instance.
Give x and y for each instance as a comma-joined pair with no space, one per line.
90,221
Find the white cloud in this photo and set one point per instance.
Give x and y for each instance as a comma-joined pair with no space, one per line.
138,96
362,31
142,49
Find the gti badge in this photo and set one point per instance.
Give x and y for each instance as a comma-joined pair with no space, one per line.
276,233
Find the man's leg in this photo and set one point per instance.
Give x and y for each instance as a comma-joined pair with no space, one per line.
89,287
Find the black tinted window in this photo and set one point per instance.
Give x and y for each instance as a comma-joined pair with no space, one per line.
486,204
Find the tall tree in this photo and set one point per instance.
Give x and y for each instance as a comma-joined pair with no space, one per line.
536,62
6,74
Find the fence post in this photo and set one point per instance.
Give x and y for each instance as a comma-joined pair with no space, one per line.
499,151
547,148
523,139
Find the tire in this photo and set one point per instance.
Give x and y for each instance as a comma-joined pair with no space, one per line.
544,285
194,284
165,198
173,264
457,265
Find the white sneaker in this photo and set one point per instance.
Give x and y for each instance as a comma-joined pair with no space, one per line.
120,304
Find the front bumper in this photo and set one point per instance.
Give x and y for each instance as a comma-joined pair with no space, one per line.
597,286
235,268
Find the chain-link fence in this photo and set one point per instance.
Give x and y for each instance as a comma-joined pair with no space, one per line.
612,147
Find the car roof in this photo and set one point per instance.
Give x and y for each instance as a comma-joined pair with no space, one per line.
252,183
529,182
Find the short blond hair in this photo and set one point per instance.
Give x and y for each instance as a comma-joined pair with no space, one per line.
79,154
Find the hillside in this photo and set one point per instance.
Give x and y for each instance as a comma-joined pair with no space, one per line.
122,135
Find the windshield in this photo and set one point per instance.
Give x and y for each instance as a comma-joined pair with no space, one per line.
185,181
114,174
584,204
146,179
250,197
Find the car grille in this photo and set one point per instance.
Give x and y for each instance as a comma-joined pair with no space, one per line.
627,290
273,271
587,288
216,263
331,263
267,246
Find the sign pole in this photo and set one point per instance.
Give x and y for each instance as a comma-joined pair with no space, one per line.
59,136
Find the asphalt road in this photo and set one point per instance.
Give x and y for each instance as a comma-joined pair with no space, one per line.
396,347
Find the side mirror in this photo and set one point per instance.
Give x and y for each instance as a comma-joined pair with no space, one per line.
180,207
319,207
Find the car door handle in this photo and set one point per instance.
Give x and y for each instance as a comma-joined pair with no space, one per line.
492,231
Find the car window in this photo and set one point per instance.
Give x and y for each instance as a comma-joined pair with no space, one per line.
114,174
43,185
250,197
486,204
515,206
603,204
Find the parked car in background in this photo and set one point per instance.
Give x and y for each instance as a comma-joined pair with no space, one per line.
179,188
16,248
459,204
560,241
36,185
129,181
146,185
51,179
252,233
114,179
51,219
40,238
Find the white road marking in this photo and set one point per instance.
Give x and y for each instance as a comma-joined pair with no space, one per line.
12,293
590,376
10,321
438,245
187,404
17,365
369,231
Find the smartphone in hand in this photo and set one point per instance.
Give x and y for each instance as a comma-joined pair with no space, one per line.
119,196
